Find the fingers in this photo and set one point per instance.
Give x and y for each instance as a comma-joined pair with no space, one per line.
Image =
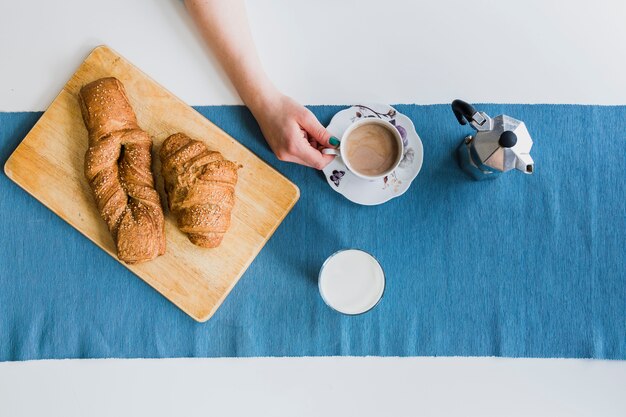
305,155
299,150
313,157
302,139
294,148
315,129
309,162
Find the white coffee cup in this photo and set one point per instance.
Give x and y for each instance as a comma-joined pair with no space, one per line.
340,151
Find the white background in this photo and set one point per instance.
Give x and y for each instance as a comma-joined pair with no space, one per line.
327,52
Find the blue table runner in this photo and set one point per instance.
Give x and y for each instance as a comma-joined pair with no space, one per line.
523,266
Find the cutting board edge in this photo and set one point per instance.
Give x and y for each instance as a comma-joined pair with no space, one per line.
217,305
191,314
201,318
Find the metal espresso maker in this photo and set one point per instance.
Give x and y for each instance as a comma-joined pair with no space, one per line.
500,144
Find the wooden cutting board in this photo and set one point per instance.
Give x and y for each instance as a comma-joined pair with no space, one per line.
48,164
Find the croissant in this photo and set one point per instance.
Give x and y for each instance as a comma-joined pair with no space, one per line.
118,169
200,186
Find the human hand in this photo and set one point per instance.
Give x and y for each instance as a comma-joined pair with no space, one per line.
293,132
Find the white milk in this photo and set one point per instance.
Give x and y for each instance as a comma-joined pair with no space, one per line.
351,281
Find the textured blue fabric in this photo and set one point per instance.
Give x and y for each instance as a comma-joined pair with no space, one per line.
523,266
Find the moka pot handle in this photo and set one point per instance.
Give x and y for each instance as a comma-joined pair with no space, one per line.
463,111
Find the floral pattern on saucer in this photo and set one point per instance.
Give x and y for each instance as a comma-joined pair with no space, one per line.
371,193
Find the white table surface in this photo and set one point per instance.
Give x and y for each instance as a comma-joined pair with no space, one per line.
327,51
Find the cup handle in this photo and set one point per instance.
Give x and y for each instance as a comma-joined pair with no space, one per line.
330,151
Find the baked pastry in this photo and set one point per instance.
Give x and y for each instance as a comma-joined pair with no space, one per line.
200,186
118,168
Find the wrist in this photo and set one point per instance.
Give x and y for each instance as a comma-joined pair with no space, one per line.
260,97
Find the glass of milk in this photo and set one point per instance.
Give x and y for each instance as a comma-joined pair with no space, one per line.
351,281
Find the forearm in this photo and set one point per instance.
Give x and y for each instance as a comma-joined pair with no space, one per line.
224,26
291,130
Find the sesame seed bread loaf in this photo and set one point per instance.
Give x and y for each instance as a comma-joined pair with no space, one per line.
118,169
200,186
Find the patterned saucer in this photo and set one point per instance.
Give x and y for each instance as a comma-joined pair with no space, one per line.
370,193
